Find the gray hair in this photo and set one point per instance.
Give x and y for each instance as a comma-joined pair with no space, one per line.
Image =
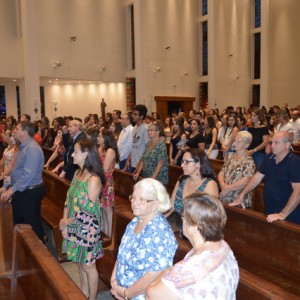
157,190
246,137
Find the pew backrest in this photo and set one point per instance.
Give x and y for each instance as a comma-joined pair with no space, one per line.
6,236
269,250
37,272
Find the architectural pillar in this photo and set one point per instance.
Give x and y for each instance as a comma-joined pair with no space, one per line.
30,103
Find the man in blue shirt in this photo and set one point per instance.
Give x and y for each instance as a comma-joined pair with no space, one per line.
281,175
26,188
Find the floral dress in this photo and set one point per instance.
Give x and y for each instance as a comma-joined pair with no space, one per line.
83,243
152,157
108,191
151,250
208,275
235,170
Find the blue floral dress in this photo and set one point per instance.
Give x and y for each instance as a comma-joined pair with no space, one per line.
151,250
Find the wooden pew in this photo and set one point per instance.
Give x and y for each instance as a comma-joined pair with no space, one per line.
35,274
264,269
6,237
268,250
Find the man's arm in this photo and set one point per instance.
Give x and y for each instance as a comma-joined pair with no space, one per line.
251,185
292,203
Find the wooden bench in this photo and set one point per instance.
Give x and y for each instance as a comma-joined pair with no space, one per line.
268,269
53,205
6,237
27,269
268,250
34,273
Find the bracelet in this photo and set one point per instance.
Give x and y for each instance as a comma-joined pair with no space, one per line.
282,215
255,150
125,295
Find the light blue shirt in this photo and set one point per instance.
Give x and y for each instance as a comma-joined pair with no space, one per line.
28,166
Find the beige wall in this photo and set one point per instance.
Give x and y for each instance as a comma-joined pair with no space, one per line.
81,99
284,52
100,28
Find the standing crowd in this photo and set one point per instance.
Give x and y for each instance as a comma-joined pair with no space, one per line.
255,144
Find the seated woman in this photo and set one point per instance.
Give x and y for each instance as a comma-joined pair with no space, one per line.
148,245
209,270
154,162
237,170
198,177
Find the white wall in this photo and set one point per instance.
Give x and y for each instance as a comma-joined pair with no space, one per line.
284,52
166,23
81,99
100,30
10,49
232,55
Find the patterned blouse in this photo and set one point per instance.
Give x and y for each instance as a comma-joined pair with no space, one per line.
149,251
234,171
208,275
151,158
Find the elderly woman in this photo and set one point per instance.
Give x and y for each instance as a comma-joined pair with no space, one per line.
148,245
209,270
198,177
237,170
154,162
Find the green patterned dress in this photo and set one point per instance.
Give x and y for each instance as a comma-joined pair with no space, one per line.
83,243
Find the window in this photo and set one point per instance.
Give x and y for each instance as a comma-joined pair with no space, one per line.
2,101
18,102
203,94
131,37
256,95
257,13
204,48
204,7
257,48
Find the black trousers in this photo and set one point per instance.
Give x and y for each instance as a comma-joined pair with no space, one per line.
26,207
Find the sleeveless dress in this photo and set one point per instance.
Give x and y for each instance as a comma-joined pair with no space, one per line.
83,244
108,191
178,201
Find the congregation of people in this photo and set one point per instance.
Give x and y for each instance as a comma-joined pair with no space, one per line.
255,144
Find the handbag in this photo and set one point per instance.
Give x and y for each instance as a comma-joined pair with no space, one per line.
181,143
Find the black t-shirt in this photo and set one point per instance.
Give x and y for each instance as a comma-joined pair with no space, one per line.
194,141
257,135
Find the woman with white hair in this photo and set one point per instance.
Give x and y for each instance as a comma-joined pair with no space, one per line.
237,170
148,245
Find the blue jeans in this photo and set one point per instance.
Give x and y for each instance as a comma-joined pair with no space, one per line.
122,164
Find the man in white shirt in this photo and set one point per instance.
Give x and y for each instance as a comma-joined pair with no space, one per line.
295,122
125,140
139,137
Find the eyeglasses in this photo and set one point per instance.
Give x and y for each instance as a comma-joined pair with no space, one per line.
186,161
152,130
140,200
135,114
